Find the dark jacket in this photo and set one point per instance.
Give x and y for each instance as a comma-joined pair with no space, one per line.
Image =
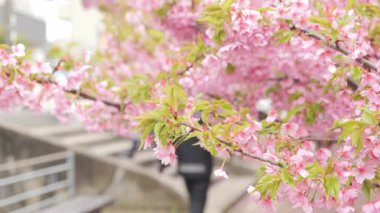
193,161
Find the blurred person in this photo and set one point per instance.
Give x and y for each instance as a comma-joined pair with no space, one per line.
195,165
136,141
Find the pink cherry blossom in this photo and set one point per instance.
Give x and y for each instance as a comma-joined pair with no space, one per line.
149,142
316,63
272,116
372,207
251,189
345,209
293,130
350,195
289,129
18,50
166,154
221,173
371,80
323,155
363,171
7,59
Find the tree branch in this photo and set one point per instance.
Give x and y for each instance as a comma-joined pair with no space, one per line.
193,128
83,95
335,45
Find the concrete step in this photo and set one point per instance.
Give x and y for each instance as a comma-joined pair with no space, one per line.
246,204
86,138
111,147
57,129
226,193
144,157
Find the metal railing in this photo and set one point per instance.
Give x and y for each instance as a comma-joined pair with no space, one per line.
57,182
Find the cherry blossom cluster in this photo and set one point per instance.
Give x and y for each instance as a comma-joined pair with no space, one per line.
164,65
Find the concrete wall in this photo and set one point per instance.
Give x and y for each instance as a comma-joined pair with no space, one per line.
135,193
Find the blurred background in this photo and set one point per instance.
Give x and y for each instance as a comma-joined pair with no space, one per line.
46,166
42,22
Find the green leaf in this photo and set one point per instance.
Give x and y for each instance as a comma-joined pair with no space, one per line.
224,108
293,112
55,52
331,186
311,112
294,96
367,186
195,51
264,9
369,10
283,36
156,35
314,170
273,89
68,65
217,15
369,118
219,36
287,177
353,129
323,22
319,6
357,138
356,73
148,120
176,97
163,11
268,185
227,4
343,21
157,130
330,167
12,77
137,88
350,4
230,68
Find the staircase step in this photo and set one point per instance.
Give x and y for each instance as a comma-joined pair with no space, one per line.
86,138
111,147
144,157
226,193
57,129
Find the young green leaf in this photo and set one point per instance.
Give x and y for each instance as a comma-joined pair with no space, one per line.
367,186
331,186
288,178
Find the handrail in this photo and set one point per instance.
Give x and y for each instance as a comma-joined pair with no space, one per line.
34,174
36,192
67,166
33,161
40,205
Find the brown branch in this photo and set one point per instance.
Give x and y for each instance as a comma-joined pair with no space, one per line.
350,83
263,115
82,94
193,128
365,63
193,4
185,70
189,66
88,96
92,98
327,140
58,66
335,45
